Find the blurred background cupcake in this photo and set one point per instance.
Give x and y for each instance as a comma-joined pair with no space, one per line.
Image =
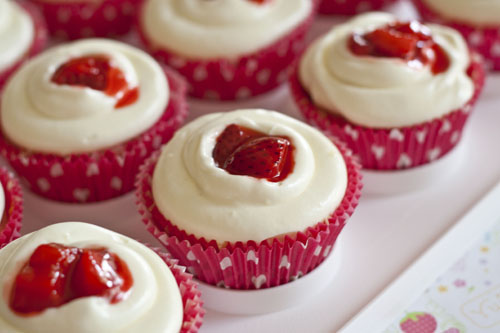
79,119
351,7
248,199
22,35
227,49
398,93
477,21
88,18
11,207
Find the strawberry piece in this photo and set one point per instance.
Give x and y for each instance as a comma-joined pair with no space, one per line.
390,43
99,272
42,281
264,157
409,41
55,275
418,322
244,151
230,139
96,72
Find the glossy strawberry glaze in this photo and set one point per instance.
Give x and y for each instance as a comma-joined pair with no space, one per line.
243,151
96,72
56,275
411,42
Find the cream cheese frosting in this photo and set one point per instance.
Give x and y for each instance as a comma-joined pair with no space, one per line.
154,304
219,28
384,92
205,200
482,12
43,116
16,33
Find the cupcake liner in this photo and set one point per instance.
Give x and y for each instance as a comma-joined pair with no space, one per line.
249,265
351,7
239,78
483,39
38,43
10,223
191,296
102,174
82,19
393,148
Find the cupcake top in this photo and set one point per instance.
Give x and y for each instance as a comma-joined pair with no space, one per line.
482,12
248,175
220,28
16,33
77,277
83,96
378,72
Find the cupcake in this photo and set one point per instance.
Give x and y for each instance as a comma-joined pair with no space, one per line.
248,199
11,207
22,35
78,120
77,277
478,21
72,19
227,49
351,7
398,93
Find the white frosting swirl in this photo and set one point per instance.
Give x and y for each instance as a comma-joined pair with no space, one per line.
16,33
154,304
384,92
47,117
202,199
482,12
220,28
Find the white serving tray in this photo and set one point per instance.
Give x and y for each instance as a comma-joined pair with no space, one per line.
384,237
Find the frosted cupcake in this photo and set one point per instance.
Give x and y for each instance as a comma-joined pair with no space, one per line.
78,120
22,35
351,7
248,199
227,49
77,277
478,21
11,207
88,18
398,93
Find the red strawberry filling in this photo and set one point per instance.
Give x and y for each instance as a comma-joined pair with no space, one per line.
409,41
56,274
96,72
243,151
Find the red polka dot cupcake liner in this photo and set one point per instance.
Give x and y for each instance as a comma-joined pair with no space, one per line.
351,7
393,148
10,223
483,39
99,175
38,43
191,296
82,19
249,265
231,79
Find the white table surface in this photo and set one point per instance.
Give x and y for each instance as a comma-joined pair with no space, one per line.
384,236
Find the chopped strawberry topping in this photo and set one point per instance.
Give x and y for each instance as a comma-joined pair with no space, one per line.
56,274
243,151
96,72
410,41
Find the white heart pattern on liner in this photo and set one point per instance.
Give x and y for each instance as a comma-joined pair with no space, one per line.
252,257
396,134
404,161
259,281
56,170
43,184
225,263
378,151
81,194
284,262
